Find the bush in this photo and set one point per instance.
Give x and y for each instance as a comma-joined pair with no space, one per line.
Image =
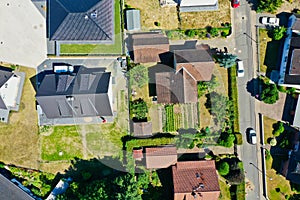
157,23
238,138
273,142
190,33
223,168
267,154
278,33
214,32
226,139
278,128
269,93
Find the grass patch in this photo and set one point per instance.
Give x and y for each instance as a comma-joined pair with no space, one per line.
104,140
19,138
64,143
152,12
268,51
240,191
233,96
115,48
135,143
225,192
190,20
268,128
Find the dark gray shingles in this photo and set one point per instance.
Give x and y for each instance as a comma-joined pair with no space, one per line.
4,76
2,104
81,20
88,93
9,191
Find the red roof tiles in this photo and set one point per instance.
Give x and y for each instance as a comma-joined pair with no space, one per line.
195,180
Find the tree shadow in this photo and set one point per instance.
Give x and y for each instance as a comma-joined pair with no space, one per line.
289,108
253,4
252,87
82,171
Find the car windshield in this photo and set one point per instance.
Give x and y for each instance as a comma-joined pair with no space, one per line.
241,71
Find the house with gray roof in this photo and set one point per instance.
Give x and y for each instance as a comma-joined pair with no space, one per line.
11,86
9,190
72,21
86,92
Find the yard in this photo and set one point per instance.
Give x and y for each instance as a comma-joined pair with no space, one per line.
268,51
151,12
221,74
19,138
225,192
61,143
190,20
167,17
116,48
277,180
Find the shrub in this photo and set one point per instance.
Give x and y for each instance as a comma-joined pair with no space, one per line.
223,34
269,94
267,154
278,128
157,23
273,142
214,32
238,138
223,168
190,33
278,33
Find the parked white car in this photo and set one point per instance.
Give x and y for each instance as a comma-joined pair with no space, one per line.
240,68
271,21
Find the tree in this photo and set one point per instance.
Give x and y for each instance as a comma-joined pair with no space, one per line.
268,5
278,128
269,93
226,139
226,60
139,109
126,188
278,32
204,86
223,168
138,76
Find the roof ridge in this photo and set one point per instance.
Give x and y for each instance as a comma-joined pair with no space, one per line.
63,6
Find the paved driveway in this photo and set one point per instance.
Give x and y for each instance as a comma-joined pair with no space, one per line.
23,33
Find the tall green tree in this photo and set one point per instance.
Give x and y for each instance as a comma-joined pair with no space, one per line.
269,93
223,168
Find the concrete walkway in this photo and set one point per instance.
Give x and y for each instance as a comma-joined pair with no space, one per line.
23,33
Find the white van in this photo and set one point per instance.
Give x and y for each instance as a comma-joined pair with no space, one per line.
240,68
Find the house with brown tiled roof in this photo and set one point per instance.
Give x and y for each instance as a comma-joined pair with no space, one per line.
195,180
149,47
190,67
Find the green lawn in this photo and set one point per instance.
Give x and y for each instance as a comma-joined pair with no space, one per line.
64,139
104,140
115,48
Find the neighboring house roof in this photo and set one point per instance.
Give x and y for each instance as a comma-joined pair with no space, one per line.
133,20
296,120
9,190
148,47
77,20
191,66
293,173
141,129
195,180
160,157
11,85
81,94
198,5
296,25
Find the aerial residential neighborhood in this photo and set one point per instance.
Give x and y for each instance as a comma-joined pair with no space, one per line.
150,100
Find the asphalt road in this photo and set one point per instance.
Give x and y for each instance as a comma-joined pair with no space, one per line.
244,49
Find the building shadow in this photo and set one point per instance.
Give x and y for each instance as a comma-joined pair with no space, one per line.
289,107
273,55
